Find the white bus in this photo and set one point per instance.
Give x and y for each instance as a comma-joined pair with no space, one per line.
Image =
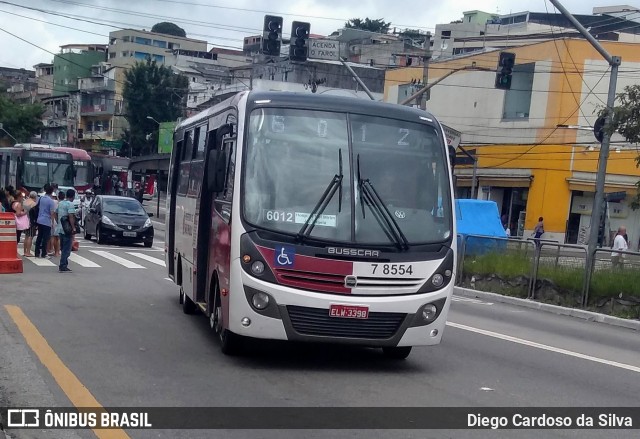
313,218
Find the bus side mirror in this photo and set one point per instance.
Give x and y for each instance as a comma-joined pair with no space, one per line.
215,171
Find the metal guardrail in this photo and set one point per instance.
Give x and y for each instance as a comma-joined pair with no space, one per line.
549,264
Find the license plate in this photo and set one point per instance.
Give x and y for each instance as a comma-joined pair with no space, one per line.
129,234
349,311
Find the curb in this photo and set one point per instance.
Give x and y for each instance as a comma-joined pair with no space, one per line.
554,309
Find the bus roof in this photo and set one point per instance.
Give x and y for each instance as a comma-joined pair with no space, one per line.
317,102
76,153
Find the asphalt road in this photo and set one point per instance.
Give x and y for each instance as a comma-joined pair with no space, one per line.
116,324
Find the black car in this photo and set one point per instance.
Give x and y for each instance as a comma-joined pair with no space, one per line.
118,218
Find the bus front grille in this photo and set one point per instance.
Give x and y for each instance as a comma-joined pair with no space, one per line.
316,321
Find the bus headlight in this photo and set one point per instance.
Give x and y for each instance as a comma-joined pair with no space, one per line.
429,312
260,300
257,268
437,280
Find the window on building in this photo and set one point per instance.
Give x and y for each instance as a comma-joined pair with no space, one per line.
112,55
159,59
174,46
517,100
159,43
113,41
145,41
89,126
126,39
125,53
141,55
445,34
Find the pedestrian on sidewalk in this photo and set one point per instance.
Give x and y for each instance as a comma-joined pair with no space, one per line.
65,229
620,244
46,207
22,219
32,213
538,231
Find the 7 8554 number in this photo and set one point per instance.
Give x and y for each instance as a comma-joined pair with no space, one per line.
393,269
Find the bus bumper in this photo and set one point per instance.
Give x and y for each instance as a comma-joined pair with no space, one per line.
299,315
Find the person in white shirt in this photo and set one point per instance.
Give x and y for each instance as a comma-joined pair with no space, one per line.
620,244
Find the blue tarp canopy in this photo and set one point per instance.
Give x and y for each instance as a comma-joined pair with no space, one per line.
479,217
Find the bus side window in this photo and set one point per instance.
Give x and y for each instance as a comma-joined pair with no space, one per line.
185,163
201,142
230,149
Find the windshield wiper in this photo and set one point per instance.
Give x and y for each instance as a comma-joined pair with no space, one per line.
323,202
381,211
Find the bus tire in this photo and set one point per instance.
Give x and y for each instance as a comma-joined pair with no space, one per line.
230,343
396,352
188,307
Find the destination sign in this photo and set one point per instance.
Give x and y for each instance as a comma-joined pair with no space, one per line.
47,155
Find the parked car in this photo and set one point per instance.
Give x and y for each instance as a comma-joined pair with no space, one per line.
117,218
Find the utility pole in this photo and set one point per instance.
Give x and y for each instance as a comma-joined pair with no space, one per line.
357,78
598,201
425,76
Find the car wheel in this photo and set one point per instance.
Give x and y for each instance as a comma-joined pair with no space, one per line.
87,236
100,239
188,307
148,244
397,353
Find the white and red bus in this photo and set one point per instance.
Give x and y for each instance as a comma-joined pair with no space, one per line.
29,167
313,218
83,178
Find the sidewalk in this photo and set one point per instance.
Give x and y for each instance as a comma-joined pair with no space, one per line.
526,303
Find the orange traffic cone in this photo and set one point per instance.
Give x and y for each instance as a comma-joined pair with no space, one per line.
9,260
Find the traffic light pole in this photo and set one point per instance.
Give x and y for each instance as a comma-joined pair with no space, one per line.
598,201
357,78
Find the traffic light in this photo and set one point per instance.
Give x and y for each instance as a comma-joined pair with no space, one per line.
505,69
272,35
298,49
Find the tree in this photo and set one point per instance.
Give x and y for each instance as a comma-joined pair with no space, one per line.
21,121
378,25
150,90
626,121
168,28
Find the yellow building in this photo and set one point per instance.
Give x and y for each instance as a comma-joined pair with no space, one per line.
528,164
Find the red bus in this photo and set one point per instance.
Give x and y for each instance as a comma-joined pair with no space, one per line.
83,179
109,169
30,166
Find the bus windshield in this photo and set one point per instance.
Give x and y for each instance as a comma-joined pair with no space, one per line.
384,181
38,173
82,173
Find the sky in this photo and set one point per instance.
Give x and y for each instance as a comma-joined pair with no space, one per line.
49,24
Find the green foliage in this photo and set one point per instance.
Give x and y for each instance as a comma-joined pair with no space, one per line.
377,25
168,28
21,121
626,121
604,283
150,90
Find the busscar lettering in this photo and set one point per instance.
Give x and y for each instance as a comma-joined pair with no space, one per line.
353,252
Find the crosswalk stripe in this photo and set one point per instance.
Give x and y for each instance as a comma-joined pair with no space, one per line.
37,261
84,262
116,259
148,258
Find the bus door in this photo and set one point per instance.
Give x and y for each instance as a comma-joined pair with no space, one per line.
172,192
218,222
184,219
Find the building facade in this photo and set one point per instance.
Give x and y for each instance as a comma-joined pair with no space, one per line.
527,162
128,46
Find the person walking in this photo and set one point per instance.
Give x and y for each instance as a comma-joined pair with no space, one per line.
538,231
46,208
619,244
22,219
32,213
65,228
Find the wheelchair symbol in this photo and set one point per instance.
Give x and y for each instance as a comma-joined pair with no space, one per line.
284,256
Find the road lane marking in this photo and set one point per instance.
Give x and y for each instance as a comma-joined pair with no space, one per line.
117,259
80,260
466,299
147,258
544,347
77,393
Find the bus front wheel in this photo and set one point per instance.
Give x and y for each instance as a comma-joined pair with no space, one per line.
397,352
230,343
